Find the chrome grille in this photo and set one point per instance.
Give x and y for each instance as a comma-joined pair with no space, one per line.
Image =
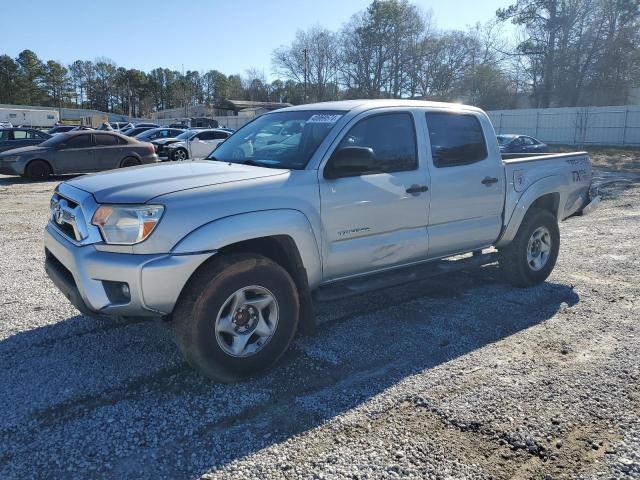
67,217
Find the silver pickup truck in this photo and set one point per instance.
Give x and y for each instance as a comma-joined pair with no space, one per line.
357,195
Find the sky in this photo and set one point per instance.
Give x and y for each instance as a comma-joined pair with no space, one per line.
227,35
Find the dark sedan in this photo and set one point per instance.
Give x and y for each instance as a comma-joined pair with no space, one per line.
76,152
511,143
20,137
60,129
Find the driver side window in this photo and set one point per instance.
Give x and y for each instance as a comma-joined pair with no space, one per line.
392,138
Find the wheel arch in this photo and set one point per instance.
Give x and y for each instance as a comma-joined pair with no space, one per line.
548,194
26,165
284,236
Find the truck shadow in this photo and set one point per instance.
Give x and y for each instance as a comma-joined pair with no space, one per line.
114,380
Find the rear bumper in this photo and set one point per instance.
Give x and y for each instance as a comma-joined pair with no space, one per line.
86,276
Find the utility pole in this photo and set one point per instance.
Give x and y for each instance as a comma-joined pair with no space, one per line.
305,51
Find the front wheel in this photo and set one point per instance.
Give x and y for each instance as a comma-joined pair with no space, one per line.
37,170
236,316
530,257
179,155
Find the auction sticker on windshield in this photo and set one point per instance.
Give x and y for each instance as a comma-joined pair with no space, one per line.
324,118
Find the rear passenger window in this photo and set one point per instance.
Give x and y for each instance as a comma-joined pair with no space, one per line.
206,136
103,140
220,135
391,136
456,139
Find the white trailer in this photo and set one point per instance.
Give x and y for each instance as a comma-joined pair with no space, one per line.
29,118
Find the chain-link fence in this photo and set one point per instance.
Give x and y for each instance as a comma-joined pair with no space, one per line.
618,126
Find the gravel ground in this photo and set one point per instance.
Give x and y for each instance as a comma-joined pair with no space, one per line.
457,377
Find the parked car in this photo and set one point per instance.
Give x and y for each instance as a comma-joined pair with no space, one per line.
132,132
161,144
276,133
60,129
197,145
146,124
157,133
234,249
81,128
511,143
76,152
16,137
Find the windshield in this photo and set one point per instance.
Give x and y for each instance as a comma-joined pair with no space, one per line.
279,140
504,139
148,133
53,140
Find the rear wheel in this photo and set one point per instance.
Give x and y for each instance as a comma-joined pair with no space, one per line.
530,257
236,316
38,170
179,155
129,162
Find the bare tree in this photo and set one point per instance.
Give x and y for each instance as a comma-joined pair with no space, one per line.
312,59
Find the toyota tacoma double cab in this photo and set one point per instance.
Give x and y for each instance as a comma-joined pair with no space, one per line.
235,249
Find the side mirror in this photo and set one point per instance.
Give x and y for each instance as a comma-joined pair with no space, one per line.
350,162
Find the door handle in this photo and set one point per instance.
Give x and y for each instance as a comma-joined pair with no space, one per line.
489,180
417,189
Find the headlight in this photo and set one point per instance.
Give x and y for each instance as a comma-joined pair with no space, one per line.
126,224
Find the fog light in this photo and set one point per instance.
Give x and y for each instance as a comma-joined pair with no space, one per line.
117,292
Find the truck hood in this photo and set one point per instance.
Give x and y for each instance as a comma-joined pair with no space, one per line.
23,150
145,182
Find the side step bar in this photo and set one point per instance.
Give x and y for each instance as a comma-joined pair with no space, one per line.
392,278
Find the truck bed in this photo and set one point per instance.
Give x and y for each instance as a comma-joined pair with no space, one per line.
572,170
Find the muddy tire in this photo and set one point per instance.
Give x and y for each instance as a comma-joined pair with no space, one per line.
38,170
530,257
236,316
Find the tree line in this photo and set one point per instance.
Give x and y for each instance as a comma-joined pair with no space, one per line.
563,53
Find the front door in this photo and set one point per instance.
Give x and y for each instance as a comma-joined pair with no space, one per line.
203,144
77,155
467,184
378,219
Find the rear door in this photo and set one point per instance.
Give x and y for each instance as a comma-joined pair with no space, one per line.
376,220
77,155
467,183
109,151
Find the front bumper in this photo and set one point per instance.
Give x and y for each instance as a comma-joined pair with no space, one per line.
83,275
8,169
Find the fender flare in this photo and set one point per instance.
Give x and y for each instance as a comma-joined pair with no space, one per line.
553,184
225,231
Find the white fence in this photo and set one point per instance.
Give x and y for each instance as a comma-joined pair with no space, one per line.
573,125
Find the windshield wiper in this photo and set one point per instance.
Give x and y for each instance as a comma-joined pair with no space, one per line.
254,163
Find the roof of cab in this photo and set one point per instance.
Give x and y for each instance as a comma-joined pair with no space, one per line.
348,105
